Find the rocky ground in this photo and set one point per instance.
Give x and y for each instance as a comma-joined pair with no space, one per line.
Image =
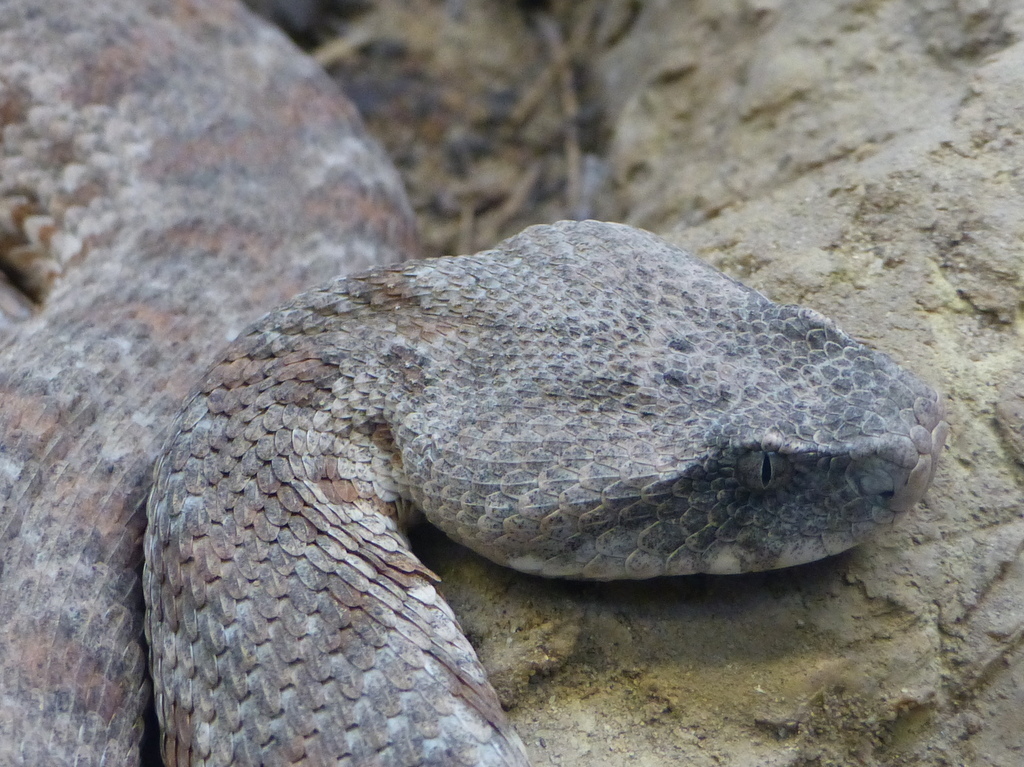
862,157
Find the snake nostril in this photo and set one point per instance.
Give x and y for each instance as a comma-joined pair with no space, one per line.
874,476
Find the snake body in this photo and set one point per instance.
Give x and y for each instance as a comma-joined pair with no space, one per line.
583,401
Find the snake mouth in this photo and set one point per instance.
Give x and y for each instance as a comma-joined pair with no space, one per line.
900,471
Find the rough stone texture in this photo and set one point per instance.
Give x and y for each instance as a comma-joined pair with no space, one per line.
155,158
864,159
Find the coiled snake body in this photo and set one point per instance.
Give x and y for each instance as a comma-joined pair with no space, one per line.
584,401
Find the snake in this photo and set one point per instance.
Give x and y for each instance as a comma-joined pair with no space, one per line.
584,401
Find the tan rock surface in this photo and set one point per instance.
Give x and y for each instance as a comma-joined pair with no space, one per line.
864,159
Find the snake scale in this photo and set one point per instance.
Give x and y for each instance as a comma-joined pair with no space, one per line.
583,401
536,401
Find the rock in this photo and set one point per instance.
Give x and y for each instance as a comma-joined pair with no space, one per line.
863,159
1010,413
864,162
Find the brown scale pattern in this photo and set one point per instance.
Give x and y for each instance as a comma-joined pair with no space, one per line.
154,157
290,623
583,401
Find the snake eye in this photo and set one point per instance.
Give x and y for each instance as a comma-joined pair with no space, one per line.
762,470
